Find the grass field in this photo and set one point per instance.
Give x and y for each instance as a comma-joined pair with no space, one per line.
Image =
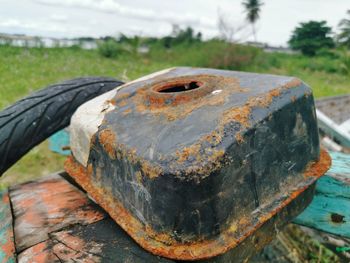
23,71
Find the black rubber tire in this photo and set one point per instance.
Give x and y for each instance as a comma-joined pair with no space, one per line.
33,119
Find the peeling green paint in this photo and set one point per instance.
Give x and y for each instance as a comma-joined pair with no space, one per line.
7,251
330,208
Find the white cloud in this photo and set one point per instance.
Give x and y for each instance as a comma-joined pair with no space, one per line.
42,27
112,6
59,18
74,18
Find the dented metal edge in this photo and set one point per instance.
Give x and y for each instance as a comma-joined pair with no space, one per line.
163,244
89,116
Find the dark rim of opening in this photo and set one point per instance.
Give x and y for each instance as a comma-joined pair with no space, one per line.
179,87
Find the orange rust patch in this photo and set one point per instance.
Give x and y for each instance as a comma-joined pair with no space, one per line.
163,244
112,102
122,103
292,84
118,151
107,139
214,138
187,152
178,105
127,111
237,114
319,167
241,114
203,164
152,171
239,137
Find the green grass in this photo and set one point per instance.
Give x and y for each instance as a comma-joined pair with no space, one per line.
24,70
323,74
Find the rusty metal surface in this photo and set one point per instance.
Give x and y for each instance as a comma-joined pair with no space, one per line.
47,205
185,172
239,234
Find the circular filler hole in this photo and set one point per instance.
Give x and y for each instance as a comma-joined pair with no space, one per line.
179,87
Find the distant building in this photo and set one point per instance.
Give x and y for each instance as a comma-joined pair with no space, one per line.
47,42
271,49
143,49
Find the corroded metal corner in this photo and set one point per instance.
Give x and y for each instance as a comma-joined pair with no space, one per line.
191,162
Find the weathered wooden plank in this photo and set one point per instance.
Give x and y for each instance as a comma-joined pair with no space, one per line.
330,208
41,252
48,205
337,107
103,241
7,246
332,129
340,166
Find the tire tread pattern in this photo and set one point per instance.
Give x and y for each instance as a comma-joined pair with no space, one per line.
33,119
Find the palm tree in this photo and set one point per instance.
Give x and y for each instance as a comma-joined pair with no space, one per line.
252,8
344,35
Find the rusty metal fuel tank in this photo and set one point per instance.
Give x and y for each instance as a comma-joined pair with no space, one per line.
191,162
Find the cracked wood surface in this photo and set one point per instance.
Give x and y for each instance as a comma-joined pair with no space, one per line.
102,241
330,208
56,222
47,205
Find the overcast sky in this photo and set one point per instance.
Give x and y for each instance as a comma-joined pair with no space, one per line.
74,18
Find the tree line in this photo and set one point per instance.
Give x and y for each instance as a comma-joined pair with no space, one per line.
308,37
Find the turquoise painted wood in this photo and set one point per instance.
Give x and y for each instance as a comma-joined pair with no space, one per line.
330,208
59,142
7,247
